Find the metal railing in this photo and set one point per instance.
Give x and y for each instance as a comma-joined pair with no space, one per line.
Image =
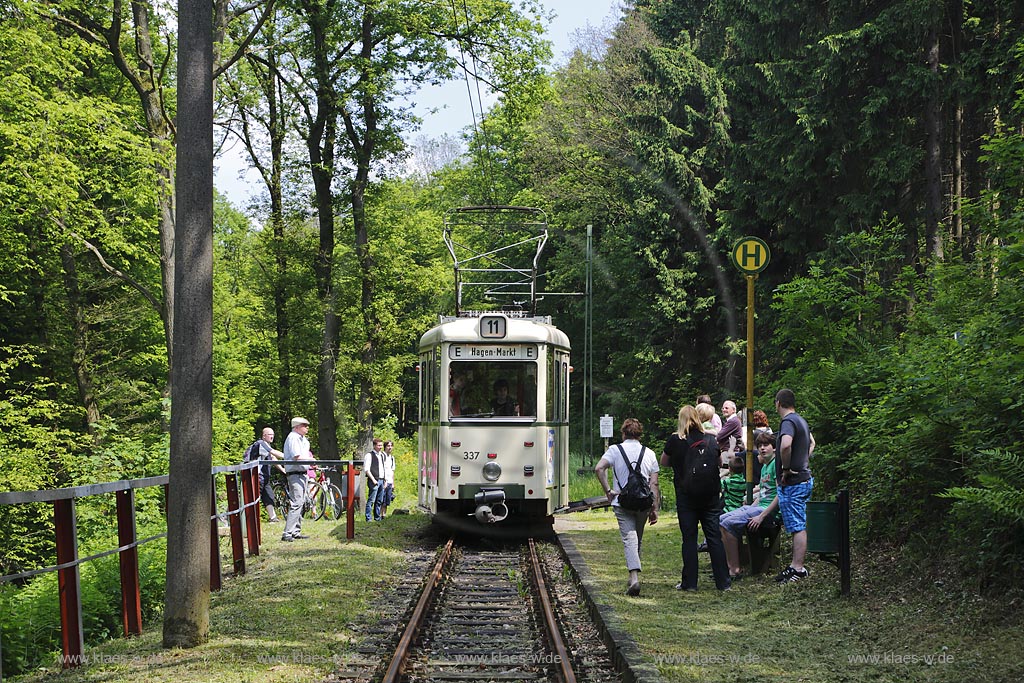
244,511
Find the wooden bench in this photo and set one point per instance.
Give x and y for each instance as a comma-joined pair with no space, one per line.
759,550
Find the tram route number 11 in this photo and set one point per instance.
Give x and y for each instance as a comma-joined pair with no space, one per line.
493,327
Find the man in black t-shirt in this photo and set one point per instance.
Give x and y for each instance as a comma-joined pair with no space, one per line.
262,450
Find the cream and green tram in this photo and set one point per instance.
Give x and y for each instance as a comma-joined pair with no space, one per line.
494,419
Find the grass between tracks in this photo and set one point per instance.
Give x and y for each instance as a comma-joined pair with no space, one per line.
894,626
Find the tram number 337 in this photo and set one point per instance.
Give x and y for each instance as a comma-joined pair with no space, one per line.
470,455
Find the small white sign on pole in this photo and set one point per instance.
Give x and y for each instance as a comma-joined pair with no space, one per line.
607,426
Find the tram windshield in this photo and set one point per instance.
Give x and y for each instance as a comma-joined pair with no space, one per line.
496,389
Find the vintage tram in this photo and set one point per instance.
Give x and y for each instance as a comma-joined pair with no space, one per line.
494,419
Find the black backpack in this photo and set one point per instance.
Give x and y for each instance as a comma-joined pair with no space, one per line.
636,494
252,452
700,469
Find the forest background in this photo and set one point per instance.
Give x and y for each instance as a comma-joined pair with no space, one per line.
877,147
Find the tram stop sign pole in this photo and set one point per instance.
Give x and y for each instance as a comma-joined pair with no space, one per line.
751,256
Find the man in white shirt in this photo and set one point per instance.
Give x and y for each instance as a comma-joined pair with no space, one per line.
389,477
296,448
373,470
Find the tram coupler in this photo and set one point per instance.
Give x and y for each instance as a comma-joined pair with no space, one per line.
490,506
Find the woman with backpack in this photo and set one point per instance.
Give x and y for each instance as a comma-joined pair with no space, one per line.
693,456
635,498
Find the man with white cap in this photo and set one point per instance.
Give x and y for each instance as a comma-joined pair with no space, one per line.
296,448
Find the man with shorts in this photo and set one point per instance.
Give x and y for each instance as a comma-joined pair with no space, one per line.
796,443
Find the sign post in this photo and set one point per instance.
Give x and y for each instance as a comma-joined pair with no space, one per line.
607,429
751,255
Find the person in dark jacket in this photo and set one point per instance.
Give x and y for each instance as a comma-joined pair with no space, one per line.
693,508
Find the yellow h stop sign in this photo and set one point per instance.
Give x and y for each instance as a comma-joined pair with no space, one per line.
751,255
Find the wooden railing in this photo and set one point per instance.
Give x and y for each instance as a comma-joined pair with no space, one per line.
66,539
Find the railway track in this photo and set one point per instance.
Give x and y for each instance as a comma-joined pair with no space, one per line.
490,615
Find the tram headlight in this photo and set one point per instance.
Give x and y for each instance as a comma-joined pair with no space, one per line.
492,471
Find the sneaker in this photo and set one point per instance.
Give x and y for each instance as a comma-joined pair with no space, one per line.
274,520
287,538
679,587
634,589
298,536
703,547
789,575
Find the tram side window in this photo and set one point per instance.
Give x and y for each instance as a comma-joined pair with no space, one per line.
565,391
424,377
492,389
435,384
427,393
552,365
558,394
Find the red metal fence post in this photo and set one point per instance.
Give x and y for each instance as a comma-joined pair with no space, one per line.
69,583
350,518
131,599
257,514
235,523
214,537
252,512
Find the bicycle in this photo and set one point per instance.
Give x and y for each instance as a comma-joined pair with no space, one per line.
322,499
325,495
312,504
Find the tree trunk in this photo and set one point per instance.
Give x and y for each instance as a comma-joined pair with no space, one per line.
933,156
283,324
161,135
364,150
187,601
956,42
80,332
268,79
320,142
327,430
368,356
162,140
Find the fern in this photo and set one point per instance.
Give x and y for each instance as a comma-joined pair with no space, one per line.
1000,490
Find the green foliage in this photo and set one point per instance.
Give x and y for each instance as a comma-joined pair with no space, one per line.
999,493
989,514
30,615
904,423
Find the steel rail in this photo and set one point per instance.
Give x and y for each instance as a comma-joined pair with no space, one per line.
550,622
394,670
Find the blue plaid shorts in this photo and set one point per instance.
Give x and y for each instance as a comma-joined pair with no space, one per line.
793,505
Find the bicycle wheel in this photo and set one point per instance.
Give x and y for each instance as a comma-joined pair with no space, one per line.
316,502
280,498
335,503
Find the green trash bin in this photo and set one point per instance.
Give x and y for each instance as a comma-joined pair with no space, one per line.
823,530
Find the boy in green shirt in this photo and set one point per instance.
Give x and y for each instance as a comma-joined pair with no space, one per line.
751,517
734,487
